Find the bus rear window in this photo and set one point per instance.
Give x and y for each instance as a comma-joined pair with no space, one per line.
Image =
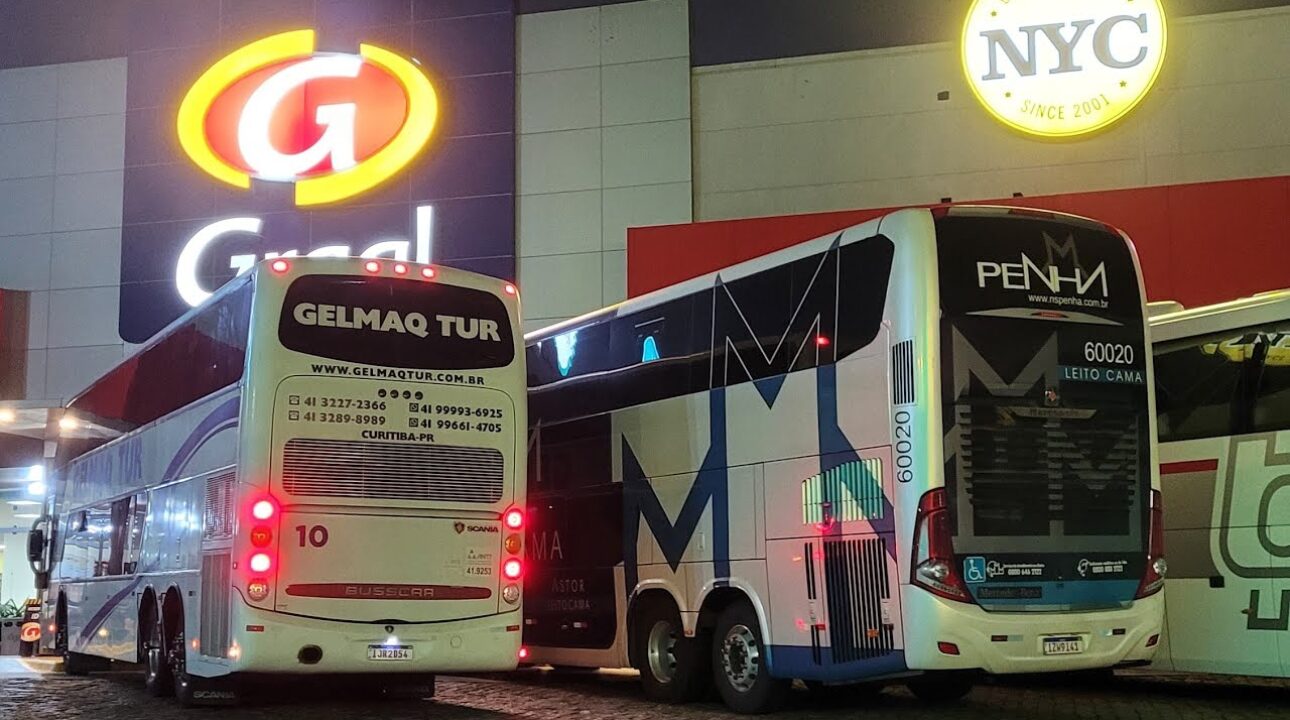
392,322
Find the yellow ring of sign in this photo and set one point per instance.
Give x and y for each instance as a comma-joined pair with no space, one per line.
422,114
963,61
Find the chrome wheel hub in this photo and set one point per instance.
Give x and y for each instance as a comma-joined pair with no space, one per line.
660,647
740,658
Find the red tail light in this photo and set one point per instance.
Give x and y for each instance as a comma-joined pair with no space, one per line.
260,563
513,518
510,289
524,653
512,569
280,266
428,273
263,509
934,568
372,266
258,589
261,536
1153,578
400,269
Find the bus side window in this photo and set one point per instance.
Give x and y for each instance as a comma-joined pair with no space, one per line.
138,514
1202,387
1272,391
119,533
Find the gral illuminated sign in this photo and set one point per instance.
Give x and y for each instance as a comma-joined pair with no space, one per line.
1063,69
333,124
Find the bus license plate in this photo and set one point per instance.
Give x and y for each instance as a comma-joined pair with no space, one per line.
389,652
1064,645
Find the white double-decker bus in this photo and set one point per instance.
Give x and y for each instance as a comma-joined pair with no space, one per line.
317,471
1223,394
916,449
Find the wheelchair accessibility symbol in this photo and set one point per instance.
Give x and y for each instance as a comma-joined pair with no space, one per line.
974,569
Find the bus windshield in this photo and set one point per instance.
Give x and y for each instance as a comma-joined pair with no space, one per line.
1045,403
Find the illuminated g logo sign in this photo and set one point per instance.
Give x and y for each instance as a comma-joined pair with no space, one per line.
334,124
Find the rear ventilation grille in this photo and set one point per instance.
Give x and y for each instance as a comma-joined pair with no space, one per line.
902,373
855,576
215,598
847,493
217,517
392,471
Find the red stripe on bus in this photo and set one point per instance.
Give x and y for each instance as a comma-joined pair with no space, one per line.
1189,466
387,591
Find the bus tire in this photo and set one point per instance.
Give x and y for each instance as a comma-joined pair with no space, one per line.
77,664
940,688
672,666
157,680
739,663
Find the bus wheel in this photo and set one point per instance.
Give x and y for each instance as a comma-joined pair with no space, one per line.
940,688
73,663
157,680
671,665
739,663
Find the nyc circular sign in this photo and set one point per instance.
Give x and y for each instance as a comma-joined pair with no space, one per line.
333,124
1063,69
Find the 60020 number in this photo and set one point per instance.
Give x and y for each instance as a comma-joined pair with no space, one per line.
904,447
1108,353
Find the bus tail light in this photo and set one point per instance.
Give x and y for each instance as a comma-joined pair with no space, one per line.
514,543
1153,578
261,536
372,266
513,519
512,569
260,563
511,593
280,266
264,509
428,273
400,269
510,289
257,589
934,568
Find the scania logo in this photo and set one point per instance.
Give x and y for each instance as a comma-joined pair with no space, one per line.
1058,69
460,527
334,124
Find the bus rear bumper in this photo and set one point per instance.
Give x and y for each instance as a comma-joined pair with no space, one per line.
269,642
1010,643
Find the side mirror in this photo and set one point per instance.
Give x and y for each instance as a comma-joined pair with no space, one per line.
36,546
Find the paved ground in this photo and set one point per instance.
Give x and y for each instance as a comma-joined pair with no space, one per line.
536,694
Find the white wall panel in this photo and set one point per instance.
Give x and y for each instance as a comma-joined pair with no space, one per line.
559,100
614,278
559,161
24,262
867,129
631,32
70,370
88,201
604,108
563,285
27,93
38,320
26,149
559,40
96,87
26,206
85,316
642,206
90,144
88,258
36,360
560,223
647,91
647,154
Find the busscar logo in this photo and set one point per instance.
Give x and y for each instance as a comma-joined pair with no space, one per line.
1060,69
393,321
333,124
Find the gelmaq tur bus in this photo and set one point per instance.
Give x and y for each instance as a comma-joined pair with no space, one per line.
1223,394
318,471
916,449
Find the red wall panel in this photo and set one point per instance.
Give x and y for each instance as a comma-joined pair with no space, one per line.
1199,244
